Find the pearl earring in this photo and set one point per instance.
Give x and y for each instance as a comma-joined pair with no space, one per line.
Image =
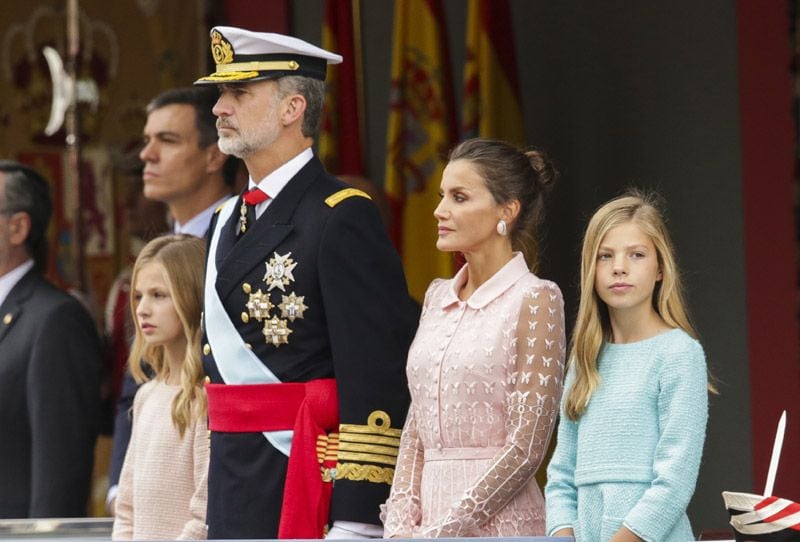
502,228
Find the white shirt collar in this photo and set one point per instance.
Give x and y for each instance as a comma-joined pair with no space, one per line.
198,224
273,183
10,279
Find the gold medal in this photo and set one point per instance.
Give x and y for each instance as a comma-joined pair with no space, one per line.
292,306
276,332
259,305
242,217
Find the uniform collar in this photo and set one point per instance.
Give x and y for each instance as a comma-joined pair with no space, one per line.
510,273
273,183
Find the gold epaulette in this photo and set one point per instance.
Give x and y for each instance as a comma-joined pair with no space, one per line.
335,199
364,449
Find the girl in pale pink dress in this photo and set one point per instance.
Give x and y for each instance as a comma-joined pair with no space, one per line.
163,487
485,369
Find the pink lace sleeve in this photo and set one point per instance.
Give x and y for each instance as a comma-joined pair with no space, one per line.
402,513
536,378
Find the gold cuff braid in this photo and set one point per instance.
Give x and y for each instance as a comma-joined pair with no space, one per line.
364,473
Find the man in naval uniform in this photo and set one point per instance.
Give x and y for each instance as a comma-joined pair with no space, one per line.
306,312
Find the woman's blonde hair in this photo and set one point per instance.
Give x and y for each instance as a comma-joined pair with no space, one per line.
593,326
183,259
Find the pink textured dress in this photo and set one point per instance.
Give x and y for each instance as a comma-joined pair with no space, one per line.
485,378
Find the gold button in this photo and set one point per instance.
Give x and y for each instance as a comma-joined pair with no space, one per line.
293,65
8,318
245,317
206,349
208,380
249,346
246,288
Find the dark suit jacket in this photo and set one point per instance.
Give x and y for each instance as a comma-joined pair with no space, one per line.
357,328
122,427
50,364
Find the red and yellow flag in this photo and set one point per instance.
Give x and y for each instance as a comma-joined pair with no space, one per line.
420,133
492,105
340,137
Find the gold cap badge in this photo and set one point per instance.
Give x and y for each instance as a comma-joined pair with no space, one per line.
221,49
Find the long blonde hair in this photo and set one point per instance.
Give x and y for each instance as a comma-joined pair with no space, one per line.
593,326
183,260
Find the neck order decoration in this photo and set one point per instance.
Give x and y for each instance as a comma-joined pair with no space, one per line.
250,198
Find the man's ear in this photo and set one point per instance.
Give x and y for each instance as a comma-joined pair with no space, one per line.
19,228
215,159
294,107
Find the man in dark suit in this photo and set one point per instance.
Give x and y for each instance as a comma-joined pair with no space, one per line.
50,363
307,314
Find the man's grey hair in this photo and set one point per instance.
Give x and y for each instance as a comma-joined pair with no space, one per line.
313,90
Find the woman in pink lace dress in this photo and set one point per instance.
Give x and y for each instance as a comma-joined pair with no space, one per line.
485,369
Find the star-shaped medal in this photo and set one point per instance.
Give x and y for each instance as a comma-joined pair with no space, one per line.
279,271
276,332
292,306
259,305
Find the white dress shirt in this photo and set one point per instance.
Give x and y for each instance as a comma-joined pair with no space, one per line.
10,279
198,224
273,183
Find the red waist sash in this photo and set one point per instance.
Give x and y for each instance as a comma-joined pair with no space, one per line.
310,409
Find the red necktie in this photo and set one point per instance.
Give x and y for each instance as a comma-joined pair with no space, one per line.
254,196
247,213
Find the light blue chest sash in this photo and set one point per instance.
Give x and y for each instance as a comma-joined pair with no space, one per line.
236,363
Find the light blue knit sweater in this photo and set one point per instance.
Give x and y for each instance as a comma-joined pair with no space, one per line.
633,457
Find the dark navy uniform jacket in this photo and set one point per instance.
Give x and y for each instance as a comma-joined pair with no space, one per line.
357,327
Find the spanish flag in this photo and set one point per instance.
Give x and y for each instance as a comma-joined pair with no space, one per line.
340,136
420,133
492,105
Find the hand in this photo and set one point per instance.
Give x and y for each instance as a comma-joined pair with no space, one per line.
565,532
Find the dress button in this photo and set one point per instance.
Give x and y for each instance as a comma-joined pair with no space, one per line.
208,380
206,349
245,317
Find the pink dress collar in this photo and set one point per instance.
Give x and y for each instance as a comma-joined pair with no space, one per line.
506,276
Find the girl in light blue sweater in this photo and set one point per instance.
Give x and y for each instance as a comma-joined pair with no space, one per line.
634,412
